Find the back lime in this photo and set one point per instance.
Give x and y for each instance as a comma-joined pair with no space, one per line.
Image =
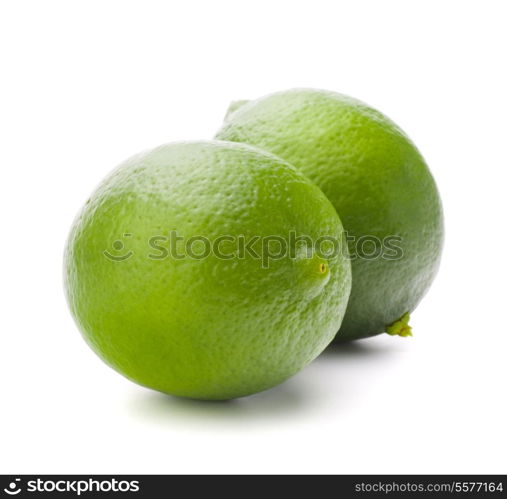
379,184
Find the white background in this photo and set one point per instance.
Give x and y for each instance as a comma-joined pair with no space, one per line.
86,84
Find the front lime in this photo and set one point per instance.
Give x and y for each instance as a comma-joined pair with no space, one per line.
185,270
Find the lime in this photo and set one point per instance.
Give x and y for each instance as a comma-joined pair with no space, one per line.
195,269
379,184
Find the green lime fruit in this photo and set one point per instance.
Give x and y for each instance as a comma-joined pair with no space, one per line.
379,184
175,275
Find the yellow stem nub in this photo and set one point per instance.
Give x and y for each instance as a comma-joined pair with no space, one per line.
400,327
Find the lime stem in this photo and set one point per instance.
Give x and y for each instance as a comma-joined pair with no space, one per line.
400,327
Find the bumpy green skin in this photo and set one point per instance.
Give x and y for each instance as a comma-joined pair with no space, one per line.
376,179
207,328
